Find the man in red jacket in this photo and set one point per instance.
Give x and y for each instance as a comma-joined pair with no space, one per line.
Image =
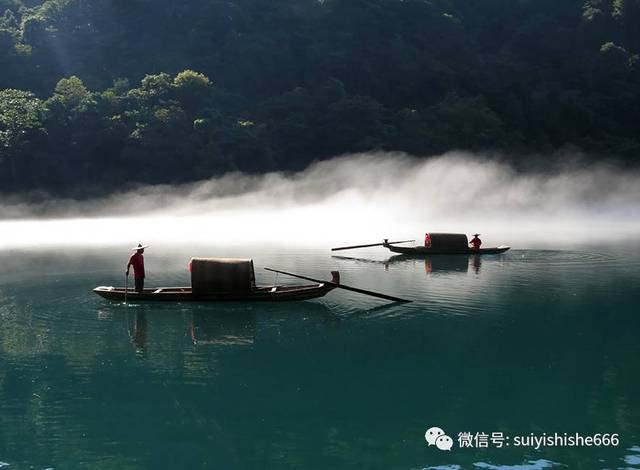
476,242
137,261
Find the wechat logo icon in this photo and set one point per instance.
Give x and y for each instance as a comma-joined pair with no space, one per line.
436,437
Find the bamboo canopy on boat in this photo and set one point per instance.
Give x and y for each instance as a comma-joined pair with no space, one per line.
214,275
454,241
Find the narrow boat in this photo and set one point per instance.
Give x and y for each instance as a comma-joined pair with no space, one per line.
438,244
185,294
224,279
435,250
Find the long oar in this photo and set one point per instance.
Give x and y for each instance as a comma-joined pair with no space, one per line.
366,246
126,287
342,286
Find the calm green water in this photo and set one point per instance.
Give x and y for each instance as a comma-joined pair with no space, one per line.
527,342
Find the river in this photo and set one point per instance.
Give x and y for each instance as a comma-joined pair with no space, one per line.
495,348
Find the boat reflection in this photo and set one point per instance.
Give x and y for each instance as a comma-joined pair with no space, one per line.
230,324
222,328
443,263
227,328
432,264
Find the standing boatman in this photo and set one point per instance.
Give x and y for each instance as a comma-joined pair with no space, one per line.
476,242
137,261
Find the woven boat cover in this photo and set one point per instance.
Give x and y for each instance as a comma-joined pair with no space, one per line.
213,275
453,241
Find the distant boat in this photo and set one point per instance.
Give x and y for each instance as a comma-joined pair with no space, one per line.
439,244
225,279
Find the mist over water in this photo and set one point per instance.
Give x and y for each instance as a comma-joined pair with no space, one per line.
356,198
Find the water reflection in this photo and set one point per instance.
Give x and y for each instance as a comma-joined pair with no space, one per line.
539,464
235,328
138,334
475,262
432,264
152,326
634,457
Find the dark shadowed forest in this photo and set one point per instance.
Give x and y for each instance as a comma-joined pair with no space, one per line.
99,95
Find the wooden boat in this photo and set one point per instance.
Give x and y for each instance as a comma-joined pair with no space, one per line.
438,244
223,279
185,294
426,251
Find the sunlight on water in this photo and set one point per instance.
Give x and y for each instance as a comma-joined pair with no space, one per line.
530,465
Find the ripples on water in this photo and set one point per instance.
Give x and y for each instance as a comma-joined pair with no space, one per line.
529,341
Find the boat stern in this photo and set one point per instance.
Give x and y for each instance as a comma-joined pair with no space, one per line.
104,291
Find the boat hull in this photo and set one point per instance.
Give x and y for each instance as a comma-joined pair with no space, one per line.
425,251
185,294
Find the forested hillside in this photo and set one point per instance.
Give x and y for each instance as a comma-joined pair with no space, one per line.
97,94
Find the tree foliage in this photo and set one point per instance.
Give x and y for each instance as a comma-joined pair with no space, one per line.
20,114
165,91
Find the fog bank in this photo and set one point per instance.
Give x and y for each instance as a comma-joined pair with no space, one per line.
357,198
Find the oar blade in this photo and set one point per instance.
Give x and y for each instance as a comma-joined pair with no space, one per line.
372,293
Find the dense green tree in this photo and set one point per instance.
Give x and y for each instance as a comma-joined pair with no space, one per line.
21,117
193,90
71,93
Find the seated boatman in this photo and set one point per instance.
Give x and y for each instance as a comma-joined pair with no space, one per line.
137,261
476,242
